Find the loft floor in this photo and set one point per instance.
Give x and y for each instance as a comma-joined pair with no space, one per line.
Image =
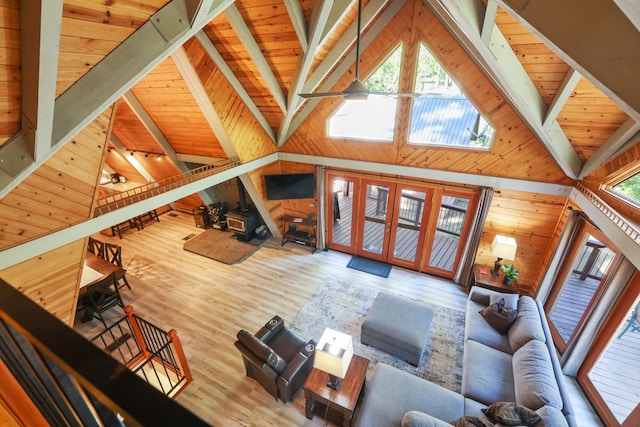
208,302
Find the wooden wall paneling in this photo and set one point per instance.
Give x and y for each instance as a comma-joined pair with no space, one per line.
299,207
532,219
51,279
131,132
60,192
10,74
118,162
171,105
589,118
245,133
275,207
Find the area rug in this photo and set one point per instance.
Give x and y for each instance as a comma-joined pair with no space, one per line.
222,246
369,266
340,305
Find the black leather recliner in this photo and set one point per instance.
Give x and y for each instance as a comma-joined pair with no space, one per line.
277,358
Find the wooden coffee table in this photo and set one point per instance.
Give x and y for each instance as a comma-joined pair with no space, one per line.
336,404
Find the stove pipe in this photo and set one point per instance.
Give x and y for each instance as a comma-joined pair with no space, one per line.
241,195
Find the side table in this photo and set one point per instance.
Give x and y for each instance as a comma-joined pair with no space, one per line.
338,405
482,277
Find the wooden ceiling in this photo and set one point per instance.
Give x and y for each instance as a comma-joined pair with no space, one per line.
266,52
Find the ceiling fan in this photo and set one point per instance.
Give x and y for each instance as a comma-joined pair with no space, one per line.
356,90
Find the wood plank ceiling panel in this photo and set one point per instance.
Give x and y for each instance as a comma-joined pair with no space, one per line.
546,69
91,29
171,105
118,162
131,132
589,118
59,193
237,58
10,75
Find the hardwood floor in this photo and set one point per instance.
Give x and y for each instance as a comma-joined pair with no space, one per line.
207,302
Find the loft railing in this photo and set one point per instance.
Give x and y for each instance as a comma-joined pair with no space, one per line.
153,354
60,378
627,228
143,192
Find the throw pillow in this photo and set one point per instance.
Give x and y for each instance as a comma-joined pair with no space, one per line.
499,317
472,421
510,300
511,414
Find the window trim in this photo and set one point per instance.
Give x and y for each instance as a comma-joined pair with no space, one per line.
614,179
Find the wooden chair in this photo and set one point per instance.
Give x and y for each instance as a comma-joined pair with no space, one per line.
113,254
100,297
96,247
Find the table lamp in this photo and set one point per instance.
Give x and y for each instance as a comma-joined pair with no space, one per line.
333,355
502,247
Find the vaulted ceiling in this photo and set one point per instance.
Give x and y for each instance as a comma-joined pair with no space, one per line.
568,68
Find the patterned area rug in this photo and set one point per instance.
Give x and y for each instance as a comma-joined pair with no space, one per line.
222,246
342,306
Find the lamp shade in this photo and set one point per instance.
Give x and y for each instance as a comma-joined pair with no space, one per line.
333,353
504,247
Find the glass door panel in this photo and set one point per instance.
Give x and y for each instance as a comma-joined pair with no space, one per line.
616,374
446,242
407,234
578,286
376,200
341,213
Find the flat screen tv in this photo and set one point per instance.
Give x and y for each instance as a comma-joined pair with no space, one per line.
290,186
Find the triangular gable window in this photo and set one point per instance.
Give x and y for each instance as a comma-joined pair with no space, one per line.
443,115
375,118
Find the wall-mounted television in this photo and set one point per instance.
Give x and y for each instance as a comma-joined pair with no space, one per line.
290,186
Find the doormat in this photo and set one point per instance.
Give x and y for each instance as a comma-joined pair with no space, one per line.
370,266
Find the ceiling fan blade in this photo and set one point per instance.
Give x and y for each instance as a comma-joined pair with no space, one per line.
321,95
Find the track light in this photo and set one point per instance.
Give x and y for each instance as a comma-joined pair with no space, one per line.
146,155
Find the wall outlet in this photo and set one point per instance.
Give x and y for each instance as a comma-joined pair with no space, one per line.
312,205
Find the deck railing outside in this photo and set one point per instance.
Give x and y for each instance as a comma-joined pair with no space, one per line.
134,195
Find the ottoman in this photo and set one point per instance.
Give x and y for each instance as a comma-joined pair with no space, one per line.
397,326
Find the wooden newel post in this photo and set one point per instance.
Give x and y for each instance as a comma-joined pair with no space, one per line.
177,345
136,330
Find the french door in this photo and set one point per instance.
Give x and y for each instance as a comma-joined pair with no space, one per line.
579,285
397,222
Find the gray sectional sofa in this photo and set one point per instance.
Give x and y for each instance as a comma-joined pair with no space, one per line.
518,366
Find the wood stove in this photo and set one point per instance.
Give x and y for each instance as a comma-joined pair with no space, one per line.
243,221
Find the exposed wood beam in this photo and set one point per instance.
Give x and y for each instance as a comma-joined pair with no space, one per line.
41,245
602,46
319,17
626,134
39,46
489,22
118,72
255,53
198,90
190,76
155,132
200,160
299,23
463,19
233,81
565,90
336,72
122,149
338,10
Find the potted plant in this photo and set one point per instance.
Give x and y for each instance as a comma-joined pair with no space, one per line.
510,274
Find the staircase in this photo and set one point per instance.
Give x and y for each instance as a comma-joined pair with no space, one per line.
148,351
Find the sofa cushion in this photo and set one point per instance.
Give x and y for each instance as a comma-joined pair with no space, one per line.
510,300
498,316
420,419
511,414
551,417
477,329
472,421
534,380
526,326
391,393
487,375
262,351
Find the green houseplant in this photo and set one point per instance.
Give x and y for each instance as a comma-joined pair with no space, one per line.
510,274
